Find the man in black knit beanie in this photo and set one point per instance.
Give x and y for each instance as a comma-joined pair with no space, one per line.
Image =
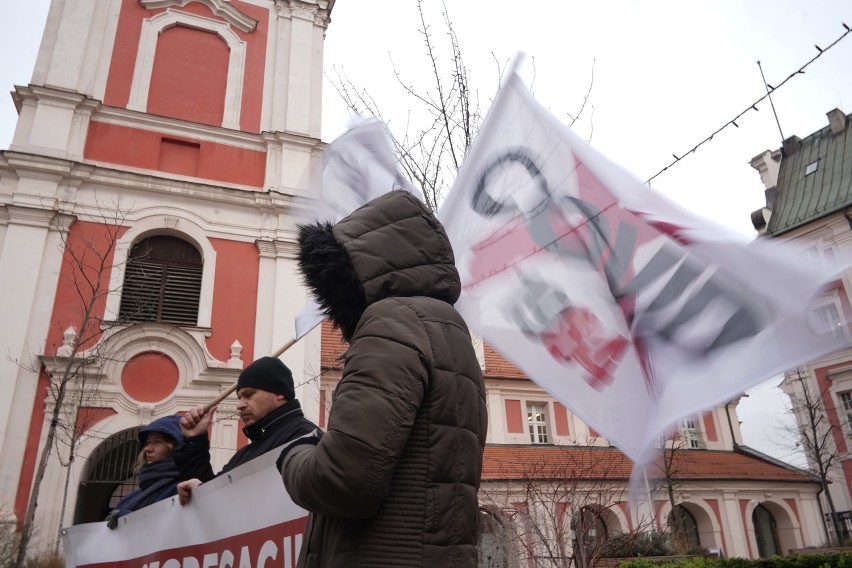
272,416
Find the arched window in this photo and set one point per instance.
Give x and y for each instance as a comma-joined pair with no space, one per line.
591,534
162,282
492,541
685,527
109,476
765,531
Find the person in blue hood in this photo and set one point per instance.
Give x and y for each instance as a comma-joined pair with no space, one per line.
157,474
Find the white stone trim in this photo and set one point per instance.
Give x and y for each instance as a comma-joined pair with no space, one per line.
142,70
690,502
164,225
178,345
179,127
221,8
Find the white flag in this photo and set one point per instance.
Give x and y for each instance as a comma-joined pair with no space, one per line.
357,167
607,295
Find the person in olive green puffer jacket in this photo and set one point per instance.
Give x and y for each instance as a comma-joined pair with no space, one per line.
394,480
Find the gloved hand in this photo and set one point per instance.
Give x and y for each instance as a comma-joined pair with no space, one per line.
112,519
313,437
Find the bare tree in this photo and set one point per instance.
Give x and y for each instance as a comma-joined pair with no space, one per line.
676,440
88,258
816,433
557,507
435,140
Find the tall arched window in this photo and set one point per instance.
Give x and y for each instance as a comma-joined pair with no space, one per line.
590,536
685,526
492,541
765,531
109,476
162,282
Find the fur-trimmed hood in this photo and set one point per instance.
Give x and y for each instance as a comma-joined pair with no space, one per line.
391,247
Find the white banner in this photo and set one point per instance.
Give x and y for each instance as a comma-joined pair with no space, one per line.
628,310
241,519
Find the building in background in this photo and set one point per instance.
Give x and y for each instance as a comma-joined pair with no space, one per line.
808,188
553,488
147,253
147,205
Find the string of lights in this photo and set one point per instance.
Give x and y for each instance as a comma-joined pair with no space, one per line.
753,106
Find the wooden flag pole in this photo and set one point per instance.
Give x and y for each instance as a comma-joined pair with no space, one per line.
224,394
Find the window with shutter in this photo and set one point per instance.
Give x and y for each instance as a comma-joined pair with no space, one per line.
162,282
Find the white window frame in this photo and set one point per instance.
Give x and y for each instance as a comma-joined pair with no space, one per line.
154,26
846,405
837,323
164,225
537,423
691,433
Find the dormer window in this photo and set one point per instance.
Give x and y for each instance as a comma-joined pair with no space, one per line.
811,168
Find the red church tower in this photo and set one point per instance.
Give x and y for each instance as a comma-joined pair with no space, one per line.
147,205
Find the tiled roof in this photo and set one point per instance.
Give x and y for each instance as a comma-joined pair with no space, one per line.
802,198
333,348
498,366
597,463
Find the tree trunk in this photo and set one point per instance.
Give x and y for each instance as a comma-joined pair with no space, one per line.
27,530
839,530
71,455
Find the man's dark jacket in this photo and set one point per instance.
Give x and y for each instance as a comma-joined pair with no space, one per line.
394,480
280,426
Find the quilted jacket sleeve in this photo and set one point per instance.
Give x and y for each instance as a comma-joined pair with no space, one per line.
193,458
385,377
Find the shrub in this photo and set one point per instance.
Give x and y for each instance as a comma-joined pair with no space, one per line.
642,544
828,560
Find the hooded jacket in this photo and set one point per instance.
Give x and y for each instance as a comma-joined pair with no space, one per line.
394,480
157,480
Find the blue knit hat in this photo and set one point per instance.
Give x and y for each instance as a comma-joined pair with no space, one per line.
269,374
168,425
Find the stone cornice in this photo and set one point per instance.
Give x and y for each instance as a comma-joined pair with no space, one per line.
277,248
292,140
177,127
221,8
833,373
56,97
29,216
286,249
265,248
317,11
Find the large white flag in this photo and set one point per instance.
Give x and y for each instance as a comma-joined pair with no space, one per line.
357,167
612,299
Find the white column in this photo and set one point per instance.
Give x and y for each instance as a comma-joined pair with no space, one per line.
30,261
266,297
223,443
280,298
735,532
496,416
293,101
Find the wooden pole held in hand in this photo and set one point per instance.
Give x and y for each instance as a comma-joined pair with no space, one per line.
225,393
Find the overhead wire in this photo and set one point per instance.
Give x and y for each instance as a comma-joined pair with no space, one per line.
753,106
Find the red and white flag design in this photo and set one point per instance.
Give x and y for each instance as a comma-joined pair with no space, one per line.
628,310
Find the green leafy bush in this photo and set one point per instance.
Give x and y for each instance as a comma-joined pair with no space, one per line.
642,544
827,560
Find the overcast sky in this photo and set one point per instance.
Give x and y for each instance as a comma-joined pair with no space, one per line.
667,73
